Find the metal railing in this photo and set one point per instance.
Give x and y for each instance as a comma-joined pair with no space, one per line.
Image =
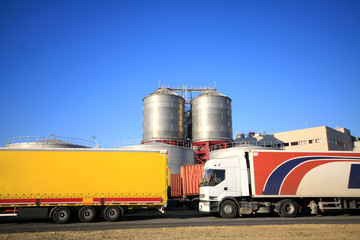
49,140
265,144
132,142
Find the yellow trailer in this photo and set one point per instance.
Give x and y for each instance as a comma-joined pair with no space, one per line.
58,183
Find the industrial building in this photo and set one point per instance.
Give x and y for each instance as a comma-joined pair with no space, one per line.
190,127
309,139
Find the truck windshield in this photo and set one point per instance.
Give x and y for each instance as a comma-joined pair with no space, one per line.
206,176
212,177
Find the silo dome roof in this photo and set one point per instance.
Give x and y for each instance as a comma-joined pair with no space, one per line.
162,91
210,93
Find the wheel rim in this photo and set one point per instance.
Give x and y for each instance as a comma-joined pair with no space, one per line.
289,208
112,213
62,215
87,214
228,209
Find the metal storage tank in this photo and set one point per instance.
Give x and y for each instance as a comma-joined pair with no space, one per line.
177,156
211,117
42,142
163,116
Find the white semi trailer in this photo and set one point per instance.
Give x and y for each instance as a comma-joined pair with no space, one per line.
264,181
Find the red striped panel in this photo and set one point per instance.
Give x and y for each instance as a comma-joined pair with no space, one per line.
55,201
191,179
175,185
17,201
61,201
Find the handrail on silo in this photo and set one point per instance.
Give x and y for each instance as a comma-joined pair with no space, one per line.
132,142
45,140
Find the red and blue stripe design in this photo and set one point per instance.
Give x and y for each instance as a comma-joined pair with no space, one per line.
281,173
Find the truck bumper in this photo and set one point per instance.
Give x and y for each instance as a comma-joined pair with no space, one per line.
209,206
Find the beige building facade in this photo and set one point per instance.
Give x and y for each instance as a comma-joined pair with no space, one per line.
316,139
309,139
357,145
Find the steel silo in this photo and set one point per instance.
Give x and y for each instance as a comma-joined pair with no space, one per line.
211,117
163,116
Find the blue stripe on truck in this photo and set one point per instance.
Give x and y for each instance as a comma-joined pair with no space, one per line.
354,179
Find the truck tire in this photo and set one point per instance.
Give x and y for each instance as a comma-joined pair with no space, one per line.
61,215
87,214
228,209
288,208
112,213
195,204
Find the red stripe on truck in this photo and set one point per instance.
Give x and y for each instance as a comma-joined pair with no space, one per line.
131,200
52,201
55,201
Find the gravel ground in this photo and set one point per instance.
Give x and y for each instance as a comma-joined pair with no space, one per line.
301,231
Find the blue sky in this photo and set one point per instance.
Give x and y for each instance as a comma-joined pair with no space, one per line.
81,68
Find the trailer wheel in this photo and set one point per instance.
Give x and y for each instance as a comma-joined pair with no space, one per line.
61,215
195,204
288,208
87,214
112,213
228,209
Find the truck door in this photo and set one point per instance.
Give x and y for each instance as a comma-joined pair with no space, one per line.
234,182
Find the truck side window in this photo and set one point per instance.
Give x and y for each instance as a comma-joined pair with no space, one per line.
217,177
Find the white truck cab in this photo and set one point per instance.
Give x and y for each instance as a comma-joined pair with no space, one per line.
225,178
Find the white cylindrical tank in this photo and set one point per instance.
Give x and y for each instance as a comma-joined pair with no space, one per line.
177,156
163,116
43,142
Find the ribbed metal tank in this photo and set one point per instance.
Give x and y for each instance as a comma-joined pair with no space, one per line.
163,116
177,156
211,117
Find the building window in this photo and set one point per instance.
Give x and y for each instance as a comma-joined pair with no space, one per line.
318,140
311,141
302,142
294,143
286,144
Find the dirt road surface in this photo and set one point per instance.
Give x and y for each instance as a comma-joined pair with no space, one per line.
301,231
